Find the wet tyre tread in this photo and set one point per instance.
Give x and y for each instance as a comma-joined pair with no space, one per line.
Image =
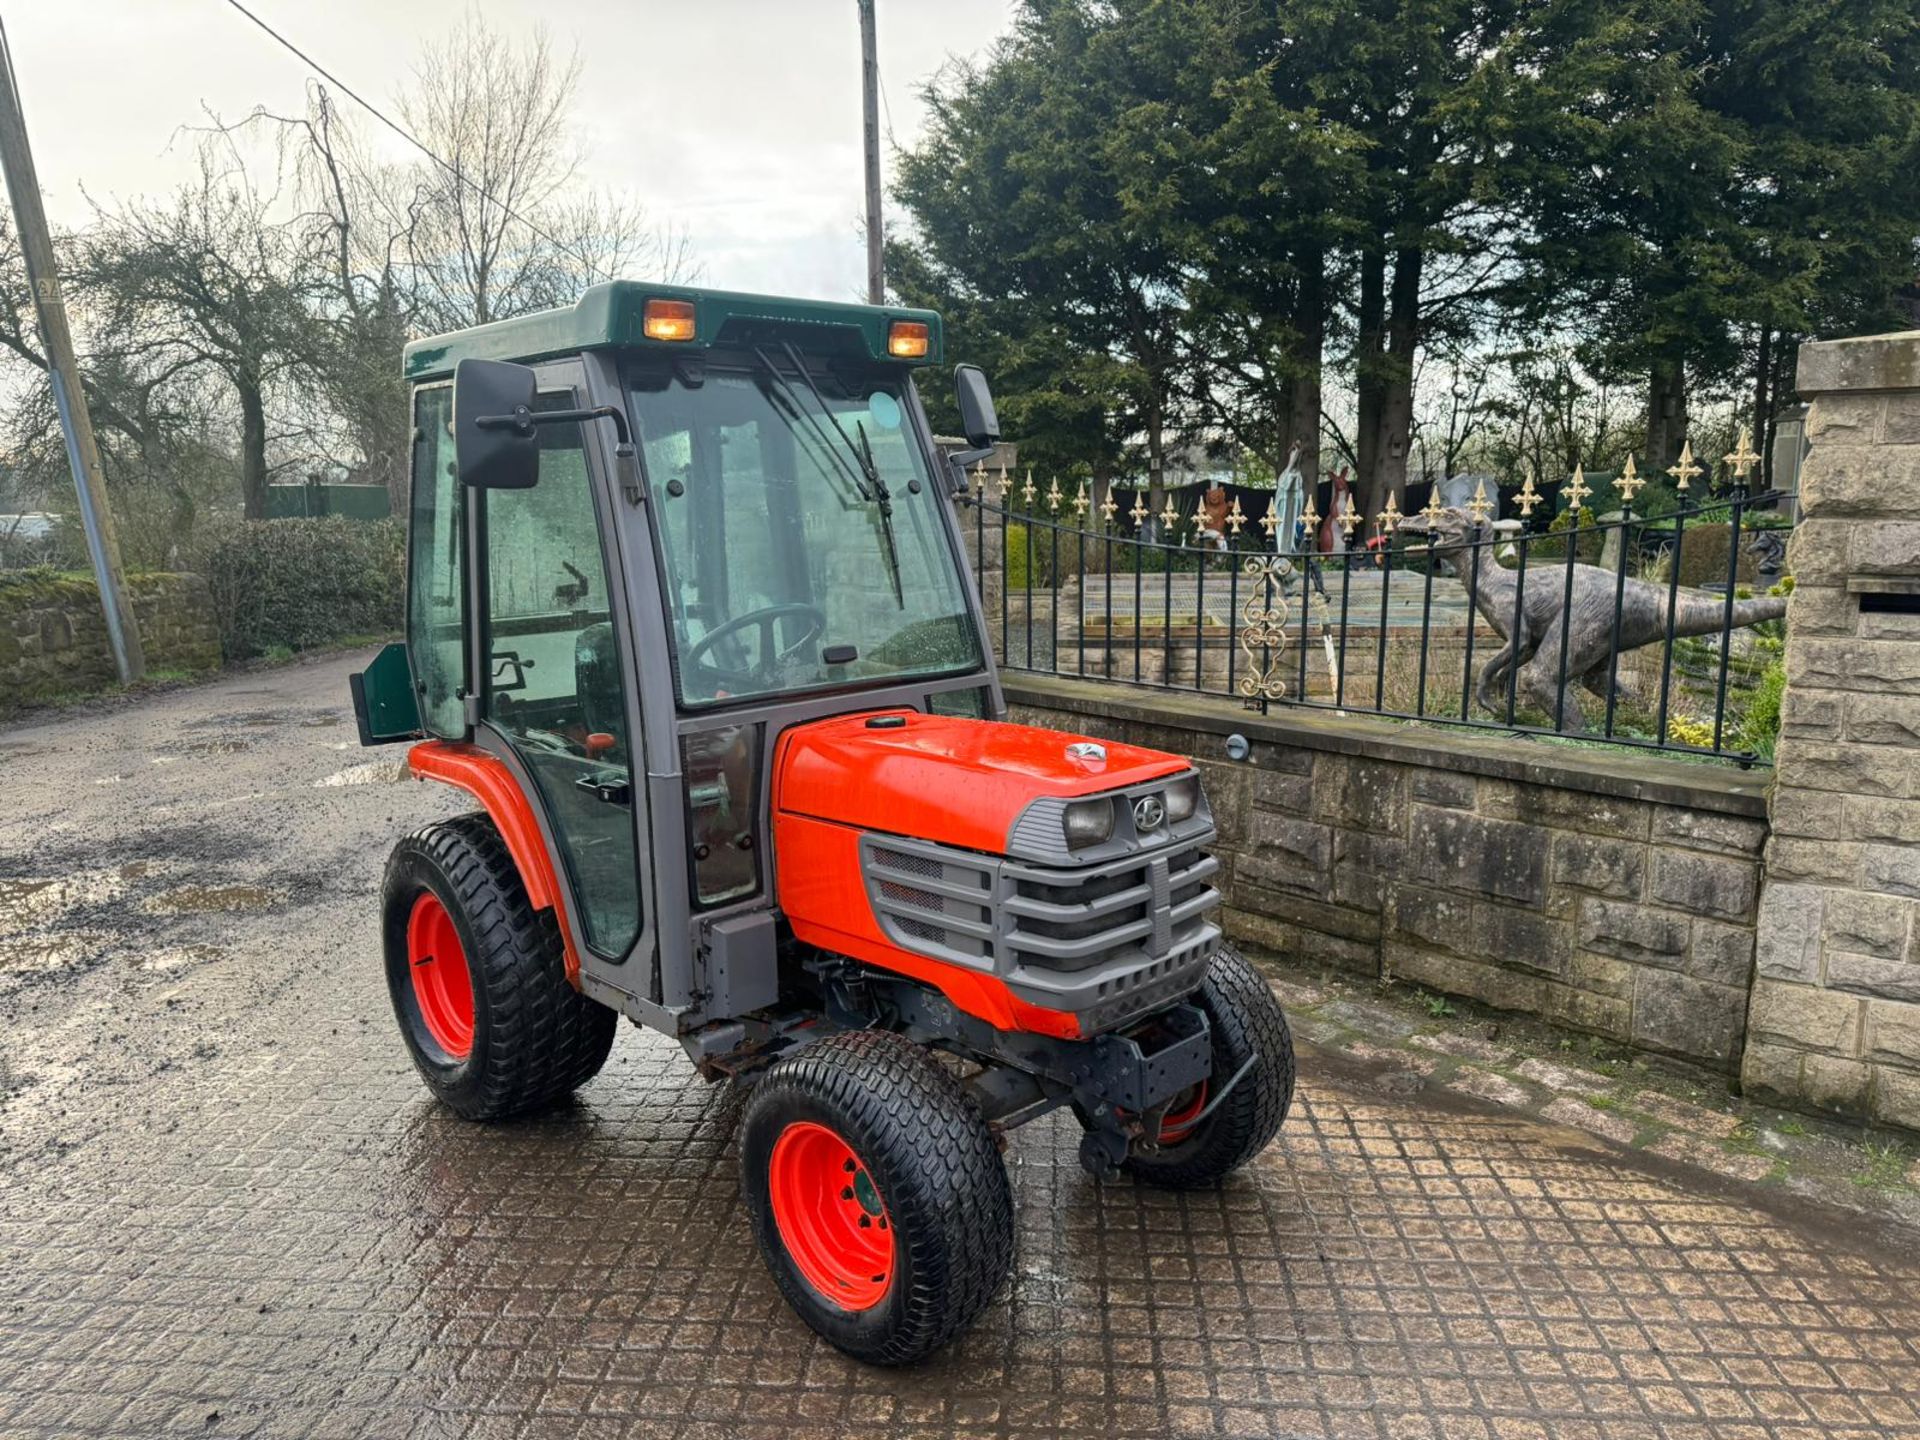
944,1182
543,1039
1246,1020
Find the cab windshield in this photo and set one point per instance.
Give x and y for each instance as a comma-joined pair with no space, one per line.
800,543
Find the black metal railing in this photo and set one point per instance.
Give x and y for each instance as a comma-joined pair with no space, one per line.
1666,650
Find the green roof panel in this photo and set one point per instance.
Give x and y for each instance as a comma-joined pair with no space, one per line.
609,316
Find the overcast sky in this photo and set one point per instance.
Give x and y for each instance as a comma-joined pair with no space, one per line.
739,119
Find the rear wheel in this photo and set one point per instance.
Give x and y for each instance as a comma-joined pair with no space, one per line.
878,1197
1200,1146
478,977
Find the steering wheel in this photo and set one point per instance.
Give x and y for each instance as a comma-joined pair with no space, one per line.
764,620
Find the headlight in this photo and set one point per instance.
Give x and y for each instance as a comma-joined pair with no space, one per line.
1183,798
1087,822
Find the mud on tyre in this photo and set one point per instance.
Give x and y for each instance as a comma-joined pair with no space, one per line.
478,977
877,1194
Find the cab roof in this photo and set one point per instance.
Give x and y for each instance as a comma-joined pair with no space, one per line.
609,316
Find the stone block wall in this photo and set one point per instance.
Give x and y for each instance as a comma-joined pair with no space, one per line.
1835,1022
53,637
1614,894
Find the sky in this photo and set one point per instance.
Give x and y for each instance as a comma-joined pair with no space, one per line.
739,120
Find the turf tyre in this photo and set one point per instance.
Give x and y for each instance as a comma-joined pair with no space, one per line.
937,1170
1245,1020
536,1039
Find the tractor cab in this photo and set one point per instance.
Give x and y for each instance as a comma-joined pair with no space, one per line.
688,614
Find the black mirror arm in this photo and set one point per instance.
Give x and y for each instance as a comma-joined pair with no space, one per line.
960,460
523,421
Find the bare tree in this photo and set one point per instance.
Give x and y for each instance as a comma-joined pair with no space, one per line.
506,227
208,282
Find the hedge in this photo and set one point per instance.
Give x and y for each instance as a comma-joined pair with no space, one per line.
297,584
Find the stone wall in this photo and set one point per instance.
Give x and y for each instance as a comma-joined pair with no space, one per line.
1836,1005
1612,893
53,637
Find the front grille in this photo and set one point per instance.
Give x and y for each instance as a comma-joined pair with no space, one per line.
1109,941
1147,907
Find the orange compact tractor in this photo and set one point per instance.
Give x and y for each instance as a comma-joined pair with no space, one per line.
687,615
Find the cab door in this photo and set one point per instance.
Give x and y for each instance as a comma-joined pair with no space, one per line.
552,682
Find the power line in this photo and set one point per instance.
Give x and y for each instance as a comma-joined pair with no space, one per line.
593,271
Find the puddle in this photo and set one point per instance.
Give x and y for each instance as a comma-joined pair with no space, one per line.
248,719
374,772
317,722
226,745
41,953
33,904
179,957
212,900
111,780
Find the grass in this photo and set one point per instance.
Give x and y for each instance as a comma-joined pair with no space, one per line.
1886,1167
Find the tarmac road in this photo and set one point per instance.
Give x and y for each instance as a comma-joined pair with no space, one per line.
227,1206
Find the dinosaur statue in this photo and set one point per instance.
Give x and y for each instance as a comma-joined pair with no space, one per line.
1532,647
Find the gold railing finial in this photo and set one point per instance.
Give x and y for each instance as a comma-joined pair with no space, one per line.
1388,520
1743,457
1527,498
1628,482
1684,471
1577,490
1480,506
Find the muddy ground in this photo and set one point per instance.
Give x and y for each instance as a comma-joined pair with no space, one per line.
227,1207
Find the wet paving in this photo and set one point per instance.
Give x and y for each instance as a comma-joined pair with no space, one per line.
228,1208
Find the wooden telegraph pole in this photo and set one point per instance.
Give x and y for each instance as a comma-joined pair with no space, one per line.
870,105
83,455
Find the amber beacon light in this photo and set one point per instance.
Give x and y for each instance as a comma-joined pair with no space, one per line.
668,320
907,340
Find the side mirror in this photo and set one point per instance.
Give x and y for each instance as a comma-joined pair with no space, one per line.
495,445
977,420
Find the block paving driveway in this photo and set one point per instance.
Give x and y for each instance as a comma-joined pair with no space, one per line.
228,1208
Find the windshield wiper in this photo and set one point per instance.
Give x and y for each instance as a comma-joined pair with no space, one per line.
886,508
875,490
835,453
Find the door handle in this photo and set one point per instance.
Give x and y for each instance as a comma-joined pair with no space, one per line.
607,787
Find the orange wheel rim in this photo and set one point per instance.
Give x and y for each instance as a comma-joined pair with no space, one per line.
442,985
1178,1124
830,1216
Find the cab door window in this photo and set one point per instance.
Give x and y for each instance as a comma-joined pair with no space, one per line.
556,687
437,571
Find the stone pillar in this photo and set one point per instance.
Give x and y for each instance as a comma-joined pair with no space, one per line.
1835,1017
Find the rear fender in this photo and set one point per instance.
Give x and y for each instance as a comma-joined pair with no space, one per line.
487,779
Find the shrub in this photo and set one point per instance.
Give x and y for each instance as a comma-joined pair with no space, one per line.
303,583
1760,726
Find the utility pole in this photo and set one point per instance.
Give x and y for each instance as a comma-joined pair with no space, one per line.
83,455
870,103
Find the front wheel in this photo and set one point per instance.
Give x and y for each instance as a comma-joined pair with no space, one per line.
877,1194
1201,1145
